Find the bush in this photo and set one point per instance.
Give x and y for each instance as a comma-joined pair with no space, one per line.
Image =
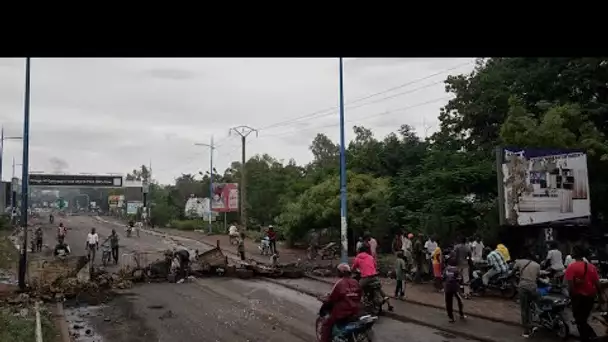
187,224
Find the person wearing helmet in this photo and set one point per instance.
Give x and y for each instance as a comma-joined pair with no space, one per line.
344,301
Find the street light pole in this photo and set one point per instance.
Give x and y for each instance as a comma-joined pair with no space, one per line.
25,175
343,203
211,148
14,186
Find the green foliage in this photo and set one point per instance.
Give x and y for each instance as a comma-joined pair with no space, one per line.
187,224
319,207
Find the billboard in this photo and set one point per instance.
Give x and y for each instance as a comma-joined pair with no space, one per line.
98,181
133,207
116,201
543,186
225,197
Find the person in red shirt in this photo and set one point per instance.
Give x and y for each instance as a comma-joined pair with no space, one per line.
583,285
344,300
272,236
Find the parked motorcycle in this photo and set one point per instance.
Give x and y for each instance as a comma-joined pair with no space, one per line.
548,313
359,330
372,296
106,254
505,284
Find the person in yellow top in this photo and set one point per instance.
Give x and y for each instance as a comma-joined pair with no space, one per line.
502,249
436,259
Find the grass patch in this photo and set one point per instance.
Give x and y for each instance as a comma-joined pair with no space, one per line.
16,328
9,256
217,227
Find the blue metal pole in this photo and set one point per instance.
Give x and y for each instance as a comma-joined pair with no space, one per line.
210,184
343,221
25,175
1,151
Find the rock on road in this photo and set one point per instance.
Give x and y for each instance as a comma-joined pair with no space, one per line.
211,309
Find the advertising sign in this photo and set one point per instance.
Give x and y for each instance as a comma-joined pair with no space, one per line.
133,206
97,181
199,207
116,201
543,185
225,197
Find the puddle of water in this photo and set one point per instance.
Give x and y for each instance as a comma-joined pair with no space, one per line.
79,323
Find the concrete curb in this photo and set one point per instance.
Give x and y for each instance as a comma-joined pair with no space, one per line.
38,323
64,331
493,319
397,317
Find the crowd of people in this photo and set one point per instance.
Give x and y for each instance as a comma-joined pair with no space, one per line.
422,256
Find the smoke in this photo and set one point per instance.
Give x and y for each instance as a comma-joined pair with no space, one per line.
58,165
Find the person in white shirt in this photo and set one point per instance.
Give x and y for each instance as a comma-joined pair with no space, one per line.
554,258
430,245
92,245
138,226
477,250
406,243
570,259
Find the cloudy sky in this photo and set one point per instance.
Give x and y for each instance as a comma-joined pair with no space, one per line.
110,115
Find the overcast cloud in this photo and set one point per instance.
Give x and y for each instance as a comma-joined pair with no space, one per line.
111,115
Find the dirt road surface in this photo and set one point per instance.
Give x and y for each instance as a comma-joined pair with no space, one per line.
211,309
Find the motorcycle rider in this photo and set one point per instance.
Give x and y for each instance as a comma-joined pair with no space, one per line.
366,264
51,218
38,236
61,249
344,300
130,226
497,265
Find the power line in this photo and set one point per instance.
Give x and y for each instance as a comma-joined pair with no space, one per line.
331,110
360,119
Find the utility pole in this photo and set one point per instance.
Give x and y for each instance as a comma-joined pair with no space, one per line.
343,202
149,207
211,149
243,131
25,175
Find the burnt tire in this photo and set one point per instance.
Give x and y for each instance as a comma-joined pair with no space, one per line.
244,273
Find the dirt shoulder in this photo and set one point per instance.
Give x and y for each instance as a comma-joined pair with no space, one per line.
19,324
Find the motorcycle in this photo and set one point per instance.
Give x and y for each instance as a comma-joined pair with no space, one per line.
359,330
51,219
129,231
505,283
264,246
372,296
106,254
548,312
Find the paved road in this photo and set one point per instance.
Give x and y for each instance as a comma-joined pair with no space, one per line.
212,309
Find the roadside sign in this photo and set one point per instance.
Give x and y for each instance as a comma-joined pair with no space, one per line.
101,181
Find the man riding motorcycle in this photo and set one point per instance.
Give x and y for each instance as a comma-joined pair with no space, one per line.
366,265
61,249
344,301
51,218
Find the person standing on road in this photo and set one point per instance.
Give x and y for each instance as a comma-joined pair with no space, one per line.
436,259
314,244
38,235
114,246
583,285
138,226
419,257
398,244
61,232
529,271
430,245
92,245
373,246
241,247
451,288
400,269
462,252
272,236
477,249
